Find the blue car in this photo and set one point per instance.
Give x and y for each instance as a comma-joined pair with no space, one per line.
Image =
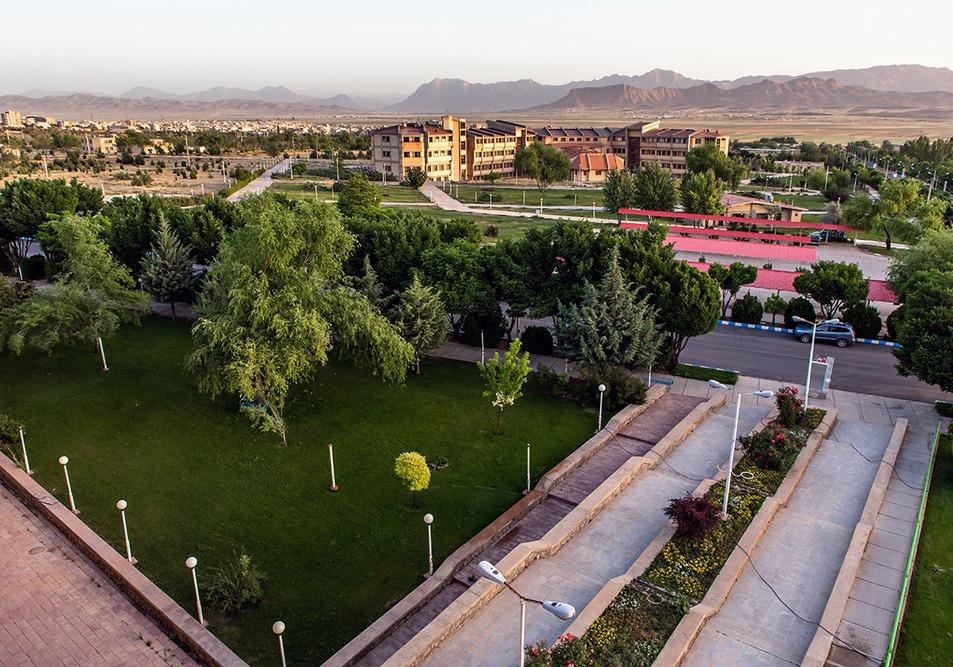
833,331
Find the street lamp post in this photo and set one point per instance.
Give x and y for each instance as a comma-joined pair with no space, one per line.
428,519
560,610
69,487
810,356
26,459
278,628
602,391
190,563
766,393
334,484
529,480
121,506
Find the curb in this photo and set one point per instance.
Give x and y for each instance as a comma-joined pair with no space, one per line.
764,327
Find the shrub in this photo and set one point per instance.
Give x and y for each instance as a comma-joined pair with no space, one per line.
537,340
693,515
747,309
800,307
553,383
702,373
942,408
865,320
491,231
236,586
790,407
894,320
412,469
622,388
486,316
771,448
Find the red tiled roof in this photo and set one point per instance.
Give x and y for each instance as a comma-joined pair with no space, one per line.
776,279
603,161
743,249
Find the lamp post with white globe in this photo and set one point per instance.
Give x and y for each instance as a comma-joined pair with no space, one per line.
279,628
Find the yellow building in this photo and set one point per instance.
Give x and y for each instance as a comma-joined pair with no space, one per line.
435,148
104,145
11,119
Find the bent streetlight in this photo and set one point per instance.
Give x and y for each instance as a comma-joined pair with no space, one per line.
121,506
69,487
190,563
560,610
810,356
765,393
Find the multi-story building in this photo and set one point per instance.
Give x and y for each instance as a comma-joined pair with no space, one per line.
11,119
452,150
95,145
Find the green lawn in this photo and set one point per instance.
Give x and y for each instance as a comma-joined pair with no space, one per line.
304,189
530,196
200,481
926,637
508,226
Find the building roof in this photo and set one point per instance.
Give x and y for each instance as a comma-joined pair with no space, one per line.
777,279
668,133
587,161
594,133
730,201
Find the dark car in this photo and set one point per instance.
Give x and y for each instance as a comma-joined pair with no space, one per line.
834,331
827,235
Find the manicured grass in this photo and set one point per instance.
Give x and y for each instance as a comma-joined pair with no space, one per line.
469,194
926,638
782,196
703,373
304,189
508,226
201,482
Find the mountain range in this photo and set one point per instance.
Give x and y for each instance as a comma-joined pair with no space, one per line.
896,88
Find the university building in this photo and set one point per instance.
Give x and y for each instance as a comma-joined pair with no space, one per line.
452,150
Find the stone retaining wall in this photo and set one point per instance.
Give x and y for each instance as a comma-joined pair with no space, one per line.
144,594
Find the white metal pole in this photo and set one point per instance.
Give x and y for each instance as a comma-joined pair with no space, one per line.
26,459
810,366
102,353
522,630
69,487
731,459
430,549
602,392
528,477
191,563
334,484
482,349
125,529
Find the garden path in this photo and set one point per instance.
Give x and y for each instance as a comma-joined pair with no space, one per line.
603,549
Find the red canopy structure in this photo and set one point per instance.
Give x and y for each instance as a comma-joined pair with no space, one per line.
743,248
702,217
708,231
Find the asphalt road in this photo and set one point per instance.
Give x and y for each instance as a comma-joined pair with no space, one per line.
862,368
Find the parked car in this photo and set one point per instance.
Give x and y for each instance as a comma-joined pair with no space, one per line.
827,235
834,331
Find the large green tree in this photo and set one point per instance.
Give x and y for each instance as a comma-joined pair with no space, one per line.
925,331
88,300
702,193
934,251
900,211
618,191
708,157
421,318
613,325
274,305
730,279
454,270
167,271
655,188
688,305
835,286
543,162
358,195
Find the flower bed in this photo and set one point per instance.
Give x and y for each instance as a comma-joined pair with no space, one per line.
634,628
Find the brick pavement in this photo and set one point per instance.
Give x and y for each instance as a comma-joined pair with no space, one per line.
58,609
603,549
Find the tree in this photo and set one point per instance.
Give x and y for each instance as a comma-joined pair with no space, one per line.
655,188
27,203
411,468
934,251
275,304
421,318
416,177
926,330
833,285
613,325
504,381
454,270
89,298
730,279
702,193
618,191
358,195
167,272
688,306
545,163
900,211
775,304
708,157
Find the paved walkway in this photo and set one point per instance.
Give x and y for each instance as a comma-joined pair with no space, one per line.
261,183
58,609
605,548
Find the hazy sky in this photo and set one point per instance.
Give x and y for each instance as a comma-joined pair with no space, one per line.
373,46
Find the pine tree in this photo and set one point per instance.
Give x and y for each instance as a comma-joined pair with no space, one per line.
167,271
421,318
611,325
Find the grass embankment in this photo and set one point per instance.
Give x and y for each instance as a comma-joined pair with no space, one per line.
926,638
200,481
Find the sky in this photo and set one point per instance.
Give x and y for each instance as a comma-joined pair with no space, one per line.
390,47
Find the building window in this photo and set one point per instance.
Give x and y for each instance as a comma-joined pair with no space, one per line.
386,153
